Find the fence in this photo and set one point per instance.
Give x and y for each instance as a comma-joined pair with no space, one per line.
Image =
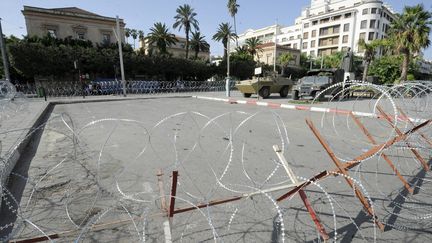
61,89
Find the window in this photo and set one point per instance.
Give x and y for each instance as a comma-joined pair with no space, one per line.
312,53
348,15
346,27
372,24
284,39
306,25
313,33
378,24
291,38
336,29
305,45
341,7
371,35
326,20
315,22
80,35
335,18
52,33
324,31
106,38
312,44
362,35
345,39
295,46
365,11
298,36
373,11
305,35
363,24
344,48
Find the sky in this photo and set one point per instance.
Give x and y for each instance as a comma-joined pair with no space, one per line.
142,14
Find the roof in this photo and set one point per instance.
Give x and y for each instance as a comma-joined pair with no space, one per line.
75,10
68,11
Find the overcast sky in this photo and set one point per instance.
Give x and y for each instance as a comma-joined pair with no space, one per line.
141,14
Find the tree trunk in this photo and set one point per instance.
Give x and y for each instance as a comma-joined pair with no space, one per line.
365,71
187,42
235,30
225,50
405,64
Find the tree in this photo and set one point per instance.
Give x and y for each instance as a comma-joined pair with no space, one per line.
185,18
223,33
233,9
253,45
333,60
198,43
241,53
410,34
134,34
159,35
141,37
127,34
285,59
369,54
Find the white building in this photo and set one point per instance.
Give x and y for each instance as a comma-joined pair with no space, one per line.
328,26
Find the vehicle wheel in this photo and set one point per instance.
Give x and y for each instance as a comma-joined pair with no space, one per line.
314,94
246,95
295,95
284,92
264,92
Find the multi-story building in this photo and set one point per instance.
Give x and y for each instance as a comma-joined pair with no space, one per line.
176,50
328,26
71,22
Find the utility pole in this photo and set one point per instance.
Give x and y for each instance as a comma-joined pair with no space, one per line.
227,82
4,55
119,42
275,48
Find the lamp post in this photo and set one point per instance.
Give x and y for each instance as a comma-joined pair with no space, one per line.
227,81
4,55
119,41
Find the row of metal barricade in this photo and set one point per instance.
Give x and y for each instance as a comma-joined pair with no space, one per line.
54,89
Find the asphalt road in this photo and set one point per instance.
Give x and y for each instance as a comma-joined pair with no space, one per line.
97,163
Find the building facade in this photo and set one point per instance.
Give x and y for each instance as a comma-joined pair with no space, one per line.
329,26
176,50
71,23
267,52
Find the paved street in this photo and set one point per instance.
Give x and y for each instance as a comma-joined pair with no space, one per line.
96,163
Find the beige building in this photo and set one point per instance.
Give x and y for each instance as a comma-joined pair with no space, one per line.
71,22
176,50
266,55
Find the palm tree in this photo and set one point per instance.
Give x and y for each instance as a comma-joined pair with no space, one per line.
233,9
185,18
141,37
223,33
253,45
410,33
134,34
127,34
159,35
285,59
369,53
198,43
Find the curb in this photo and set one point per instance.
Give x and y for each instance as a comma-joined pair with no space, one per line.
25,137
303,108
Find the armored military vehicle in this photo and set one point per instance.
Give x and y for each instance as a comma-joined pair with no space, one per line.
316,81
264,86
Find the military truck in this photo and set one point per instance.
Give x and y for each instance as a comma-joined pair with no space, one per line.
316,81
264,86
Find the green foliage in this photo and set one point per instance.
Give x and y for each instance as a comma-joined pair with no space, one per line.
159,35
410,33
33,59
240,68
198,43
333,60
387,69
253,46
185,18
223,33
